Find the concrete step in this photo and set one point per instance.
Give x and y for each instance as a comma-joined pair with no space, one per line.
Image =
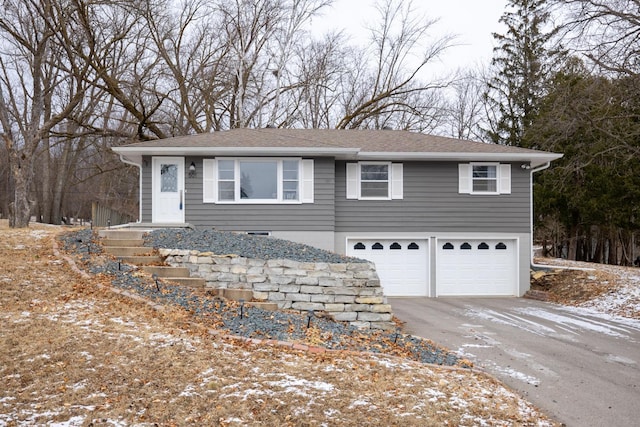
128,251
142,260
168,272
121,234
191,282
237,294
123,243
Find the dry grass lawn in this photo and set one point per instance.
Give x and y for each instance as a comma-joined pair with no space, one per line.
75,354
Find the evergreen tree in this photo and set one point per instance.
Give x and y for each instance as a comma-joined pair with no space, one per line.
521,63
589,201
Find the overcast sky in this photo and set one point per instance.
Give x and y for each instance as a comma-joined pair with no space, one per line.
473,21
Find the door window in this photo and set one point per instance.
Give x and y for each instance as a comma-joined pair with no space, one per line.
169,178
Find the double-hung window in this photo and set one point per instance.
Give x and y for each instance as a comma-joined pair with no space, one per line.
226,180
290,180
258,180
374,181
484,178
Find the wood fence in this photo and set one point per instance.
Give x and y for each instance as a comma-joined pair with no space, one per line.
102,216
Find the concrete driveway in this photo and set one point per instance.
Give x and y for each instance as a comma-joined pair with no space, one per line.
579,367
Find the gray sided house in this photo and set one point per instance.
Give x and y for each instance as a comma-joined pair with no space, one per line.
438,216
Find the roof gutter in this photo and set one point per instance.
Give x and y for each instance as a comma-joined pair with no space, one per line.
535,159
139,166
538,169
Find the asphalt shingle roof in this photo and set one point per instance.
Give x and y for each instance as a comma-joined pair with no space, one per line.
365,140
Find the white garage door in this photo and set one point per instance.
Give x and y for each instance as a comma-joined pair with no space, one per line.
476,267
401,263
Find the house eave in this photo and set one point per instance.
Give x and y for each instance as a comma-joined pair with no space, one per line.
533,159
135,153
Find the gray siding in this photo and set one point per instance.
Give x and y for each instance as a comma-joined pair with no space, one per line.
431,203
146,208
318,216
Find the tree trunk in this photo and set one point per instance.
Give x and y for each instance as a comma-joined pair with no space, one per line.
45,198
573,244
613,246
68,162
20,172
597,253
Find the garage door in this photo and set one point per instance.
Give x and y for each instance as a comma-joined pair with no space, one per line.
476,267
401,264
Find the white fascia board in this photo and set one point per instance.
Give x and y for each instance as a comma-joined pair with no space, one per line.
134,154
138,152
535,159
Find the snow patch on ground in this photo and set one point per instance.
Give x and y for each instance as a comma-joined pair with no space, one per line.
294,385
511,320
624,301
520,376
576,322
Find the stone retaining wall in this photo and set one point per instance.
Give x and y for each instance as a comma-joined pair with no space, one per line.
349,292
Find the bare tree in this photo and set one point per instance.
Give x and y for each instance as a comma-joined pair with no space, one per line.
290,39
117,41
466,105
318,70
190,58
39,88
262,37
399,57
605,31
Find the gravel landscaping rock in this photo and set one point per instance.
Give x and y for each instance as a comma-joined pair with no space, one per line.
242,319
244,245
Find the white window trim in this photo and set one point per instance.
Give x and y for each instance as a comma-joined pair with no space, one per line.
305,181
388,165
394,181
503,178
496,179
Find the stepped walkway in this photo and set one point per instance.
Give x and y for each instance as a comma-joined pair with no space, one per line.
128,246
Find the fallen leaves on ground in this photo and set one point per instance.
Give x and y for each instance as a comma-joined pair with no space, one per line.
609,289
76,354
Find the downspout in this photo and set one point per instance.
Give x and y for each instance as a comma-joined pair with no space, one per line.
128,162
533,264
538,169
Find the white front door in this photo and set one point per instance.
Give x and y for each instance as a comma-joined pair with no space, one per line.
168,189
